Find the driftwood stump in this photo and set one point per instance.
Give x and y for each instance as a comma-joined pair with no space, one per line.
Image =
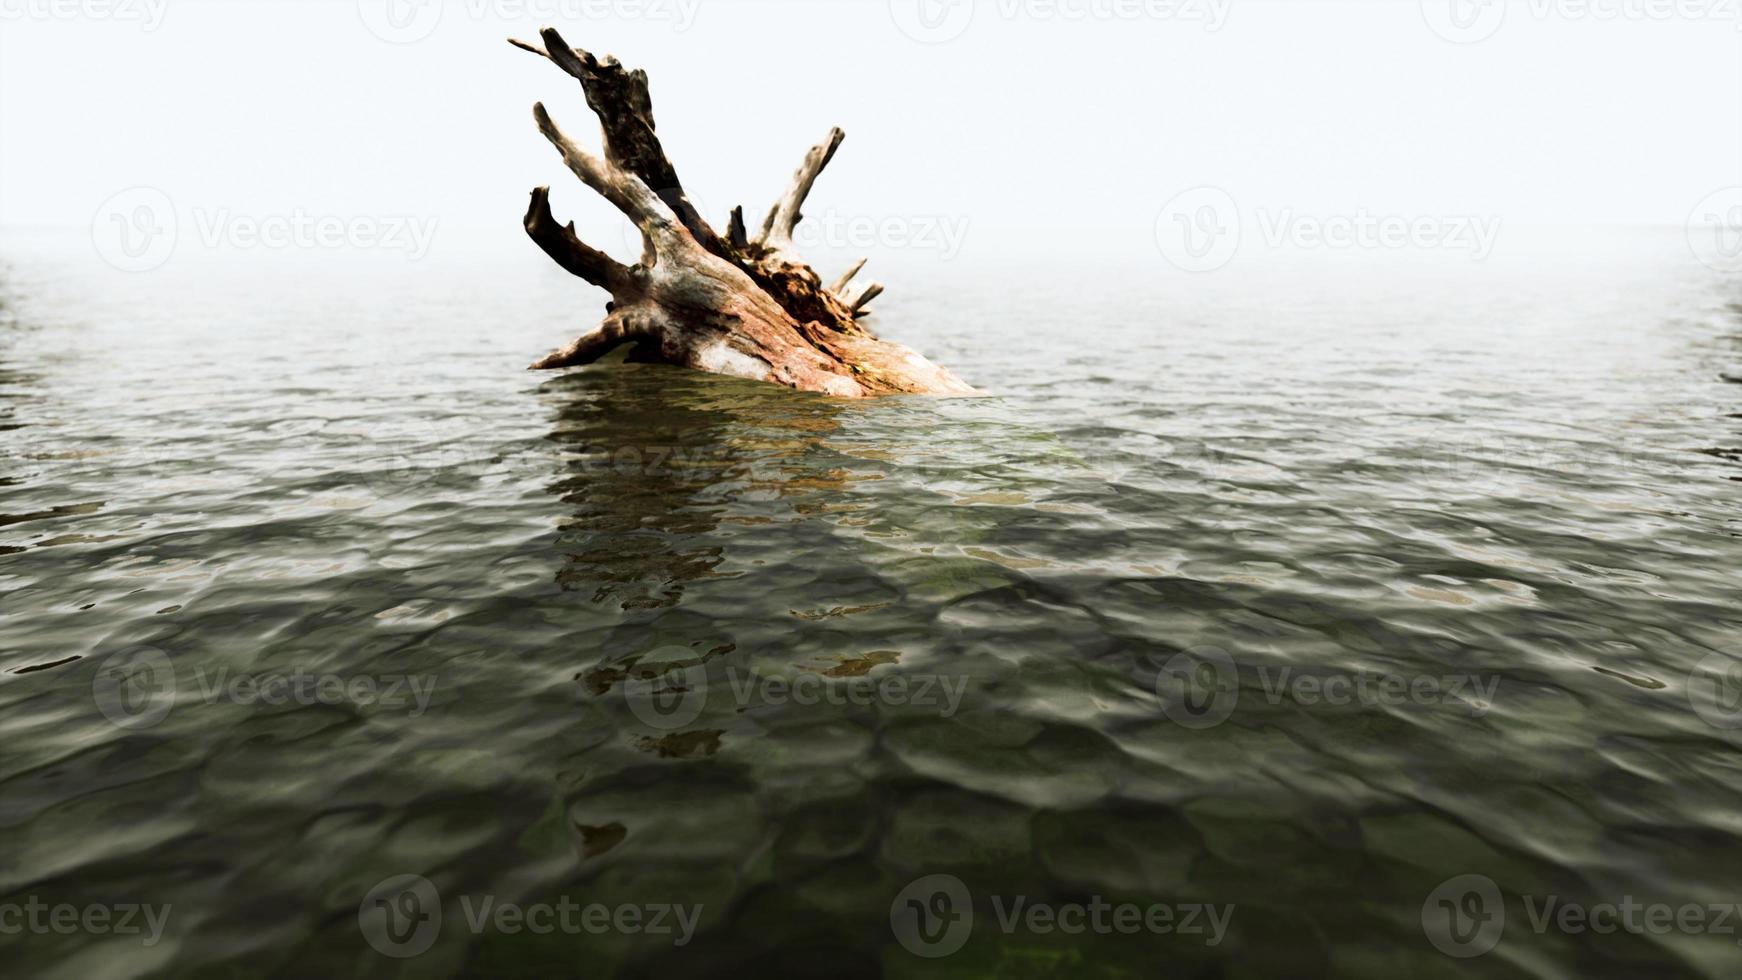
737,305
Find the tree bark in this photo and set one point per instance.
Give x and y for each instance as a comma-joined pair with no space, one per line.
738,305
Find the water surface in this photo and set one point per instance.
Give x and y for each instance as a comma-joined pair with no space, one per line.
1521,473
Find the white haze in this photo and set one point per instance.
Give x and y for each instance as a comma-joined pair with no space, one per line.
1038,131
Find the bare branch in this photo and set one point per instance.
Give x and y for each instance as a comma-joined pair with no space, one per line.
625,191
624,105
777,230
841,284
612,334
735,233
560,243
870,293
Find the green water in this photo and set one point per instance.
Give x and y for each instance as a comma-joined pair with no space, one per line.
311,599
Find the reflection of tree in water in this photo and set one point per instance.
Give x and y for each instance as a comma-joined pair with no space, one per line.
657,459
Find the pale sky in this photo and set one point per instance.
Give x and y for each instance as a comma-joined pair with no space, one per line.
1063,123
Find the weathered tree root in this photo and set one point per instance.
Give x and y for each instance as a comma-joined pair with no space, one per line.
749,307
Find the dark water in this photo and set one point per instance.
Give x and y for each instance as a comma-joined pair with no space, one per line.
683,640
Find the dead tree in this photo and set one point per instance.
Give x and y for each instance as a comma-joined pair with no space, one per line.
738,305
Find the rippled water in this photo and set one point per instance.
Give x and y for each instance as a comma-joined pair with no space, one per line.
685,639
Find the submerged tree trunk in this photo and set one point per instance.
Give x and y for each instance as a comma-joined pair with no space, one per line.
737,305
